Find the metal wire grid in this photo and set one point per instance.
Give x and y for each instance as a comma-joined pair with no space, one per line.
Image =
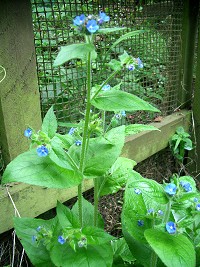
158,47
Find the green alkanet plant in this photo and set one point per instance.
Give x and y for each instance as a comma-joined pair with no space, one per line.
159,222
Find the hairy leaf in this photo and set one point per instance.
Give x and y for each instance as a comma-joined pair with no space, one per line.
29,168
173,250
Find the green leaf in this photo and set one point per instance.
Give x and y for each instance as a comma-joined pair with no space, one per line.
121,252
68,124
173,250
31,169
103,152
96,236
66,217
65,256
115,65
137,128
114,100
73,51
58,155
67,140
88,213
126,36
109,30
49,125
117,176
26,229
142,252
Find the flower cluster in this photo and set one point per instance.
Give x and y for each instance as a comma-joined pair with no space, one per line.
39,138
42,234
90,24
74,239
186,186
137,63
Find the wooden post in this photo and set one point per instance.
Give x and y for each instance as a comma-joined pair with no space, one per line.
19,94
196,115
190,22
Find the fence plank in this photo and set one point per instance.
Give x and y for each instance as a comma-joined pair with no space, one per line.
19,94
32,201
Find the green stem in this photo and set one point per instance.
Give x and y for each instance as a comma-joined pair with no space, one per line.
167,212
154,259
96,201
105,82
103,114
85,132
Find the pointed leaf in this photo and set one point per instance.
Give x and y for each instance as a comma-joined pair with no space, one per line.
103,152
173,250
117,176
126,36
49,124
73,51
114,100
65,256
88,214
31,169
66,217
109,30
26,229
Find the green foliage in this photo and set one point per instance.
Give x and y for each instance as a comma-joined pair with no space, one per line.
179,248
179,143
74,51
144,225
91,150
118,100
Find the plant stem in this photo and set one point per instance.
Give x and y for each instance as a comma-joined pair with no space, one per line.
96,201
85,134
105,82
154,259
167,212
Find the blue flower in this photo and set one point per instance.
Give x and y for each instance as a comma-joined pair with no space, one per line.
78,142
92,26
150,211
117,116
186,186
38,228
195,199
103,17
61,239
171,227
28,132
34,238
140,222
106,87
170,189
71,131
198,207
123,113
131,67
139,62
160,212
79,20
42,151
137,191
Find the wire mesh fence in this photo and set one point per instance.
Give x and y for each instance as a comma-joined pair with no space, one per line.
158,47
